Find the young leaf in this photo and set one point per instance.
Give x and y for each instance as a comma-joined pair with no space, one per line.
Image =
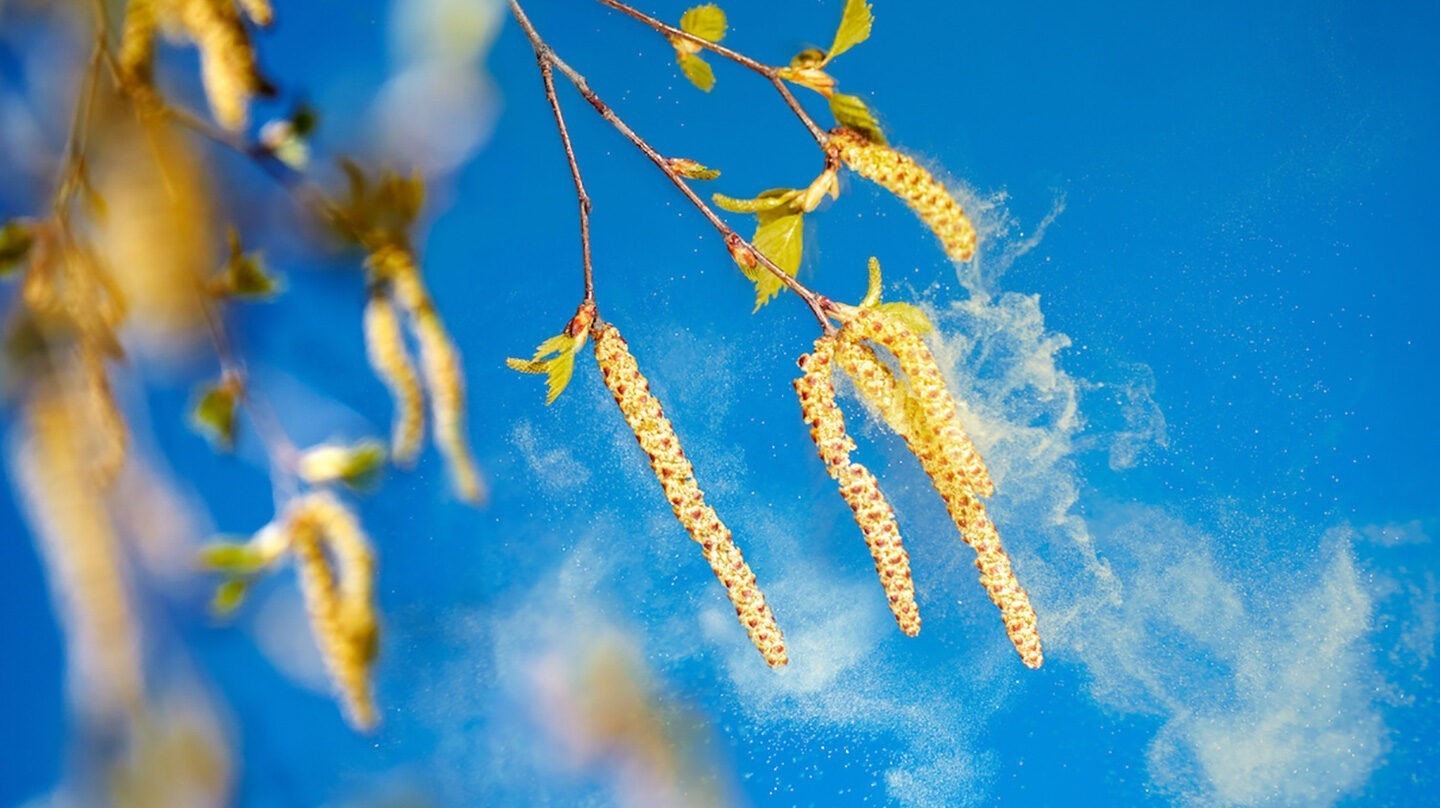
854,28
691,170
245,276
910,316
768,200
556,359
851,112
15,242
231,558
697,70
229,596
214,414
706,22
780,237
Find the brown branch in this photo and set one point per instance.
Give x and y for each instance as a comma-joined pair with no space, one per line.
547,74
734,241
769,72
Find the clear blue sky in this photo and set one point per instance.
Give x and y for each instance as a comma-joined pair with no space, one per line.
1207,391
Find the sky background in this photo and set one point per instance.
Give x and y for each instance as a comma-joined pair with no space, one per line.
1198,344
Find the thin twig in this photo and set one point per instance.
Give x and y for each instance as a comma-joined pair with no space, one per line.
733,240
769,72
547,74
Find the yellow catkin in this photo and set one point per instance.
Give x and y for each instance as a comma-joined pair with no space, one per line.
83,559
227,60
108,438
385,346
440,367
259,11
997,577
657,438
342,613
857,485
902,176
930,398
136,55
905,415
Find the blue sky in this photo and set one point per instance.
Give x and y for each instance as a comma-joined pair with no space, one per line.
1197,344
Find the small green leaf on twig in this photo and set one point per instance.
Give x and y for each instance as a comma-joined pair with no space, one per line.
690,169
214,413
706,22
358,466
697,70
851,112
244,275
556,359
780,237
854,28
768,200
231,558
229,596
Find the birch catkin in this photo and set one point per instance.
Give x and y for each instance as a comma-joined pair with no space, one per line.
657,438
857,485
83,557
910,418
905,178
385,346
931,399
342,612
439,365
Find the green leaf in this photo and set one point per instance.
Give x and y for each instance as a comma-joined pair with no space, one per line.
15,243
231,558
244,275
358,466
766,201
214,414
854,28
229,596
556,359
910,316
851,112
690,169
697,70
706,22
780,237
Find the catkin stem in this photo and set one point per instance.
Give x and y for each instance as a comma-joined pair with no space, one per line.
857,485
657,438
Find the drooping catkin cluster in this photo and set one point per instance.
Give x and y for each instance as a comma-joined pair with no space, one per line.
657,438
902,176
228,66
337,573
78,541
858,486
398,285
920,409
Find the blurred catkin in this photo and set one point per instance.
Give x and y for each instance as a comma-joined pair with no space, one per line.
858,486
323,532
78,542
902,176
439,365
385,346
657,438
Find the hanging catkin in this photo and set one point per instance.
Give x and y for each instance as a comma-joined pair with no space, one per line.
390,359
657,438
907,414
902,176
337,572
857,485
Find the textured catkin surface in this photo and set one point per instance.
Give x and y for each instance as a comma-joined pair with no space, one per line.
341,608
385,347
953,469
858,486
657,438
902,176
